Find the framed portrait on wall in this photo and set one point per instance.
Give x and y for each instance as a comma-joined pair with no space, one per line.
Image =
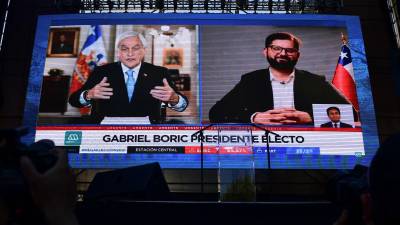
173,58
63,42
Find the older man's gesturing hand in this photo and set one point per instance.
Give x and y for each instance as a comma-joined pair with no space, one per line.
100,91
165,93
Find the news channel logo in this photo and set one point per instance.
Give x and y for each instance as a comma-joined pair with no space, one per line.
73,138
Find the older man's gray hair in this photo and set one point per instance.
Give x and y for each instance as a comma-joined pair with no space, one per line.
131,34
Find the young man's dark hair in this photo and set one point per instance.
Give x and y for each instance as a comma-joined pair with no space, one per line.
283,36
330,108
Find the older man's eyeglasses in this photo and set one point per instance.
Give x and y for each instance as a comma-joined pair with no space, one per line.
135,48
279,49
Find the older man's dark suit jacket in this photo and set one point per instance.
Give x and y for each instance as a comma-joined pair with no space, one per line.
142,104
254,94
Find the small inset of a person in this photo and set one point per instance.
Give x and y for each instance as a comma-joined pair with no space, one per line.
333,113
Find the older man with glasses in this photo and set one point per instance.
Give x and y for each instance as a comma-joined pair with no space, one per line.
130,87
278,95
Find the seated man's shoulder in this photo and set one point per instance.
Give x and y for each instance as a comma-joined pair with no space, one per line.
345,125
109,66
328,124
149,66
255,75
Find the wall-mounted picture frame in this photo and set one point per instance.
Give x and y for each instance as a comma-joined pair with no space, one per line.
173,58
63,42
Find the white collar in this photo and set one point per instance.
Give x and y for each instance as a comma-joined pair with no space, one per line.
136,69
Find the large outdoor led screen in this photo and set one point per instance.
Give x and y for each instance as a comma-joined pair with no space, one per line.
129,89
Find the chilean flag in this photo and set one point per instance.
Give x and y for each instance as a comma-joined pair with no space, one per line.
93,54
343,79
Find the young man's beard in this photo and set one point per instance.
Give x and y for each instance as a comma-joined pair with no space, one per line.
285,65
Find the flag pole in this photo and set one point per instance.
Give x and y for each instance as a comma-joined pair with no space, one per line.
344,39
345,42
